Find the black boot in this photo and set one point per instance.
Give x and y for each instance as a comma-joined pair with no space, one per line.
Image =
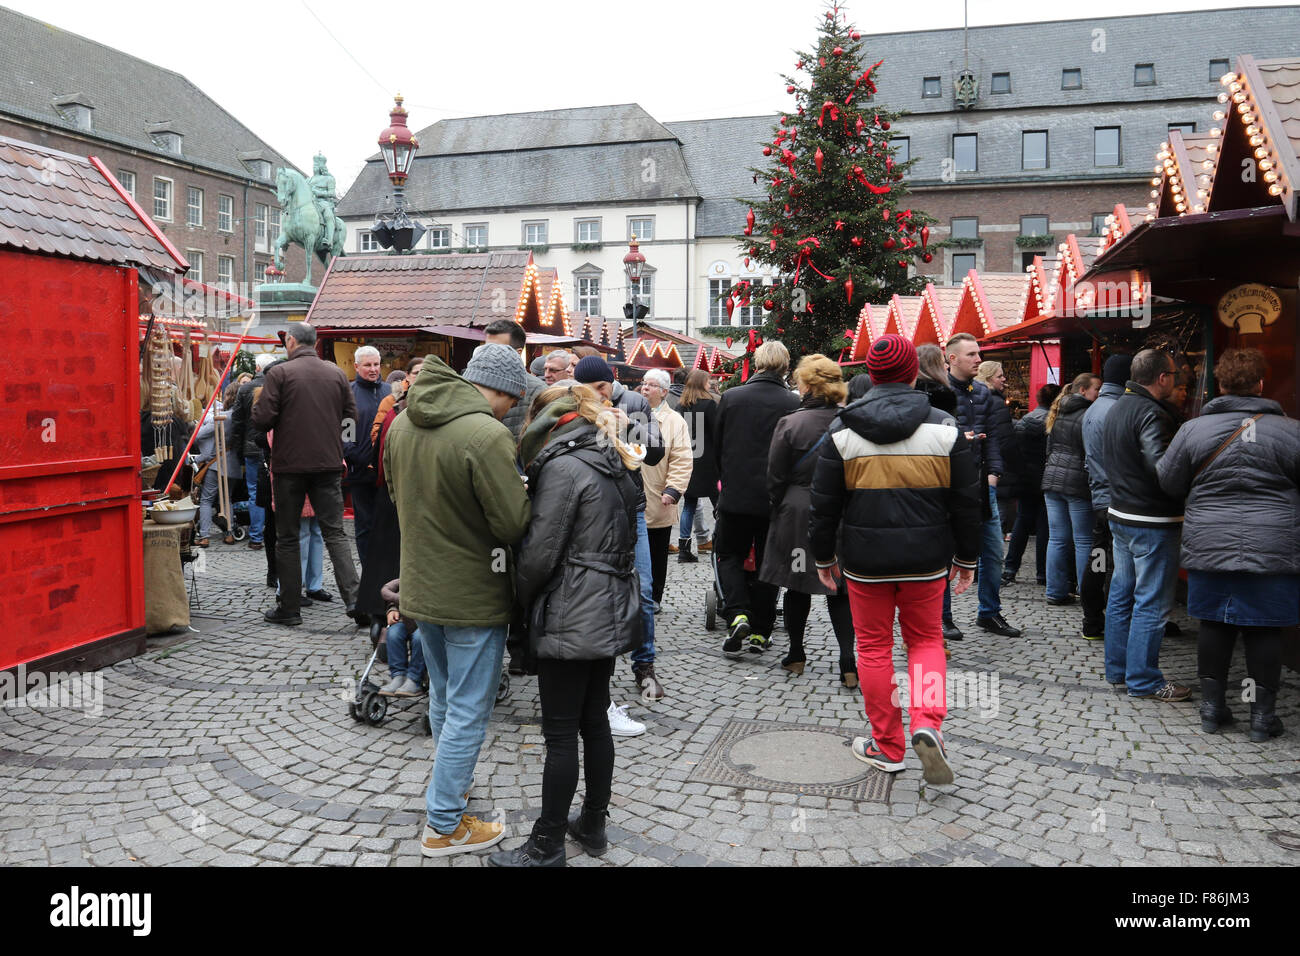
588,828
1263,722
1214,712
538,851
684,555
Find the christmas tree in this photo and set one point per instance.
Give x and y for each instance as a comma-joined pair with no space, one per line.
835,223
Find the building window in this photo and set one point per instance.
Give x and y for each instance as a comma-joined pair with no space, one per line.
1105,146
1144,74
535,233
162,199
196,264
225,213
962,263
1026,260
965,152
643,289
273,230
902,148
966,228
1099,223
261,218
642,228
439,237
366,241
1072,79
752,314
1033,225
193,207
226,272
930,87
588,297
1033,149
718,289
587,230
1187,129
127,179
1217,69
476,236
1001,83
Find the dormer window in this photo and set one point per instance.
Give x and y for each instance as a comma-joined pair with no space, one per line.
258,166
167,138
262,169
77,110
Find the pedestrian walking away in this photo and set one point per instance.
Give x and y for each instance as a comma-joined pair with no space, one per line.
1096,577
244,448
1065,491
1031,510
895,511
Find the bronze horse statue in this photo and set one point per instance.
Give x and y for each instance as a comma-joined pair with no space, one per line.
301,221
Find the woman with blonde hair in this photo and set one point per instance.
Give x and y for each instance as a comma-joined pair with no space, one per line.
787,556
1003,431
576,580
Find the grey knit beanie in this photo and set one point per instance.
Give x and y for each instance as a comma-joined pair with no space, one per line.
498,367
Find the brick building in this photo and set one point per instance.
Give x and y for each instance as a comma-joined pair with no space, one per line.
207,180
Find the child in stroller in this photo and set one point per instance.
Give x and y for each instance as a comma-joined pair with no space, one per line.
405,655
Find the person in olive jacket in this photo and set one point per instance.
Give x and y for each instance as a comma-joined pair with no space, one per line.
1238,466
576,579
1065,489
790,465
450,467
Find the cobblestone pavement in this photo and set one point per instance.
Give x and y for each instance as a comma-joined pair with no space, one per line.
233,746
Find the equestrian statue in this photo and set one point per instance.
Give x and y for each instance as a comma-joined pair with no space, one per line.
307,214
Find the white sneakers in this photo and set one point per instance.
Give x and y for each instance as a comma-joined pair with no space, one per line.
621,725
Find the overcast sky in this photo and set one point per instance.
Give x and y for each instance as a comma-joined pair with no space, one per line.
679,59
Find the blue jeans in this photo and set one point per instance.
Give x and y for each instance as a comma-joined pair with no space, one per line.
645,654
464,673
693,517
207,502
311,546
256,515
1141,596
1070,520
405,656
990,563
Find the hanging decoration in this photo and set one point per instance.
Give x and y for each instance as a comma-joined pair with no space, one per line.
818,159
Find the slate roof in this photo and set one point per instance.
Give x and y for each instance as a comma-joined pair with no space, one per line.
56,203
1004,292
384,292
543,129
718,156
40,64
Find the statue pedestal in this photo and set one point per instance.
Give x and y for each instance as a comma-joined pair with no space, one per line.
280,304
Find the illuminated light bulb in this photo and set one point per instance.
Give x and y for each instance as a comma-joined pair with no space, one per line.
1223,97
1228,78
1155,182
1155,194
1234,86
1182,207
1211,149
1252,130
1201,194
1238,98
1150,217
1275,189
1215,131
1270,177
1164,145
1261,153
1266,164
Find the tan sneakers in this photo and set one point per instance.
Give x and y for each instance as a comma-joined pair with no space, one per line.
472,834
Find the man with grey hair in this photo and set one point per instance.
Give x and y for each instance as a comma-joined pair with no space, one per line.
368,390
244,448
747,416
558,367
307,403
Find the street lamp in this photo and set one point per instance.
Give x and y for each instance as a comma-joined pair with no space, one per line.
634,268
398,147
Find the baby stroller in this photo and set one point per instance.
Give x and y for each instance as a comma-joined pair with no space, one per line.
713,599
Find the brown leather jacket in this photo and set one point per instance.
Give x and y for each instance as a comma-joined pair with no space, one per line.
308,402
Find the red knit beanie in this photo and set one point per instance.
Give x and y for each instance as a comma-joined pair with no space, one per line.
892,358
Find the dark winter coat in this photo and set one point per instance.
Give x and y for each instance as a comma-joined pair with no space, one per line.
360,453
1137,433
1063,473
898,482
1031,441
976,409
643,429
747,417
939,395
787,557
576,569
1002,432
1243,510
243,441
1094,426
306,400
701,421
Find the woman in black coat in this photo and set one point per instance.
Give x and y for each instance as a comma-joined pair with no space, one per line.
1002,431
1065,489
576,579
787,555
697,406
1238,466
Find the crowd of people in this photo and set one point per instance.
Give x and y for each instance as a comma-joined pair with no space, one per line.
533,511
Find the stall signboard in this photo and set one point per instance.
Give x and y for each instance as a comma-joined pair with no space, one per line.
1249,307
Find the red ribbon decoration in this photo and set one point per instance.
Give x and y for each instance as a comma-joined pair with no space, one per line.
755,340
860,176
835,112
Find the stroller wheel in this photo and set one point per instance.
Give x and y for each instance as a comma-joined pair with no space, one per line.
503,688
711,610
424,725
376,709
355,712
240,533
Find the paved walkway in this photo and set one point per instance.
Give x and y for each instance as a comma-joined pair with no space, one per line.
233,746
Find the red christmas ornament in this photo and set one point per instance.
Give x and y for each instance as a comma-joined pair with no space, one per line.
852,150
772,245
731,307
838,51
902,264
780,331
789,89
885,125
855,35
927,257
829,15
794,133
728,341
818,158
787,209
784,119
856,242
859,126
839,224
889,242
769,305
821,61
886,213
767,150
746,262
749,222
848,289
925,237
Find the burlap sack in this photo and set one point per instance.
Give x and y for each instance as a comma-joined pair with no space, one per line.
166,603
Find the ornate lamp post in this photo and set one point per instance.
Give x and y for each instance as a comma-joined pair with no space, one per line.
398,147
634,269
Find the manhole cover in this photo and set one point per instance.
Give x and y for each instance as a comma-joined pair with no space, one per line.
790,758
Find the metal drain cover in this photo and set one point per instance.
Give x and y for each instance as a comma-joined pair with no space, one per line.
790,758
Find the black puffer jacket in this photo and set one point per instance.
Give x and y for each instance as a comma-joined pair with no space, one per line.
1243,510
243,440
1031,439
1064,473
1002,432
576,568
1136,433
899,483
747,416
701,420
976,410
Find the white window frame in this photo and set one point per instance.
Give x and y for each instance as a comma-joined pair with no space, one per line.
752,314
127,179
578,225
475,245
273,227
227,214
584,301
170,199
1216,74
719,289
993,82
1119,147
226,280
444,232
639,237
964,169
952,224
903,152
1047,148
191,220
645,293
1046,225
543,224
958,276
925,87
1072,69
261,223
366,241
195,256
